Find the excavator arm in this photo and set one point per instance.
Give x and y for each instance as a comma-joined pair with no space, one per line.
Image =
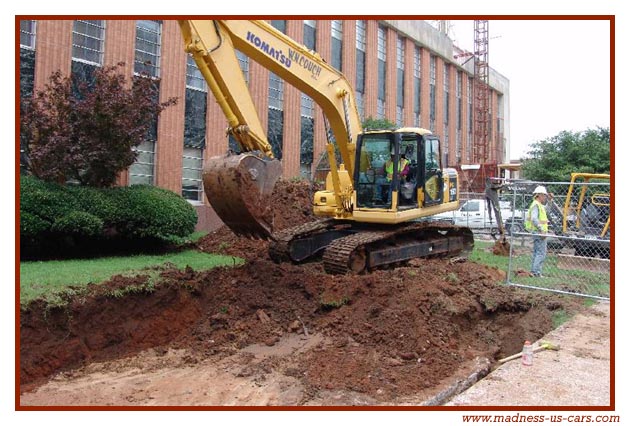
239,187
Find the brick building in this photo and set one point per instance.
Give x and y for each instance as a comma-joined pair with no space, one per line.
403,71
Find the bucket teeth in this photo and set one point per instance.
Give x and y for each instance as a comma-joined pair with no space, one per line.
239,188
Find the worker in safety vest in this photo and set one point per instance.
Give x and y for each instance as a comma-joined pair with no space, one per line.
403,167
537,222
403,170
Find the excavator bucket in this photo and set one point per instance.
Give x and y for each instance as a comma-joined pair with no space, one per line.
239,188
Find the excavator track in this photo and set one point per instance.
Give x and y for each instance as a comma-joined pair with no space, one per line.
300,242
367,250
348,253
355,248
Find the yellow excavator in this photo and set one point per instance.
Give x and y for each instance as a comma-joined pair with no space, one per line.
376,206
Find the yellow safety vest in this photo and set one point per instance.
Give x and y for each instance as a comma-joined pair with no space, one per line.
389,167
542,217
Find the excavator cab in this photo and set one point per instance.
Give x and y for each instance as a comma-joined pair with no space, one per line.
398,170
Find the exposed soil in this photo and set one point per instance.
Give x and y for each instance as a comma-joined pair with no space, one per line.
501,248
295,333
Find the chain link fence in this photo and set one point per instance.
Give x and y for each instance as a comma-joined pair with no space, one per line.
474,213
578,244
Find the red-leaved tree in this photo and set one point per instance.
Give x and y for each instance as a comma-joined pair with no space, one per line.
87,131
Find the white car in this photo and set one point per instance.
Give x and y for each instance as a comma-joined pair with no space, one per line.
474,214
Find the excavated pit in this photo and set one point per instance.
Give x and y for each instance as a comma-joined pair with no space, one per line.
387,336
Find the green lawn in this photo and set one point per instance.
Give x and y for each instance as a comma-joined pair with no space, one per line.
50,278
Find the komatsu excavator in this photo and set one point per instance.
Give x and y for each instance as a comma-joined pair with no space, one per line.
377,202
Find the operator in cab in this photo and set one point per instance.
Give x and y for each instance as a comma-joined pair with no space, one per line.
388,168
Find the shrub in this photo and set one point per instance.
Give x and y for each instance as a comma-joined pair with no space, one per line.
48,201
78,223
95,201
145,211
56,218
32,226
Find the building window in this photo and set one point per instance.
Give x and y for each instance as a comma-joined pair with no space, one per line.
447,92
360,105
82,72
446,145
276,91
243,62
142,171
400,80
432,78
148,48
336,43
27,34
276,98
382,68
360,50
380,108
88,40
192,164
194,78
460,108
400,115
27,78
280,25
458,95
307,110
276,116
310,34
274,132
469,96
27,58
27,73
417,86
195,108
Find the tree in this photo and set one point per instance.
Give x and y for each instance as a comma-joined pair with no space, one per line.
372,123
555,158
86,131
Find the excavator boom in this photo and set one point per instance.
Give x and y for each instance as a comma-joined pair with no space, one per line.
239,187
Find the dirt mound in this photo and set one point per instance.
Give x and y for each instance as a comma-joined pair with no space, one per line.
501,248
389,334
386,335
292,205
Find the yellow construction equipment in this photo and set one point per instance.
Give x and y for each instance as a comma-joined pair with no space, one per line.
376,201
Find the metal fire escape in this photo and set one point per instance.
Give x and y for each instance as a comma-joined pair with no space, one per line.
481,91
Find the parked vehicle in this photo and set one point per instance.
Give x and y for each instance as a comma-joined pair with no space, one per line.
474,214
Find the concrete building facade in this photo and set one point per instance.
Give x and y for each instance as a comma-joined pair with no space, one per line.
403,71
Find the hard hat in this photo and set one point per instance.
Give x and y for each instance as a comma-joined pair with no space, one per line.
393,151
540,190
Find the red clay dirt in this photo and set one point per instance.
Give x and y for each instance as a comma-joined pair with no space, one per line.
385,336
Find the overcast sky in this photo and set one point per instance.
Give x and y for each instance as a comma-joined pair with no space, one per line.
559,74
